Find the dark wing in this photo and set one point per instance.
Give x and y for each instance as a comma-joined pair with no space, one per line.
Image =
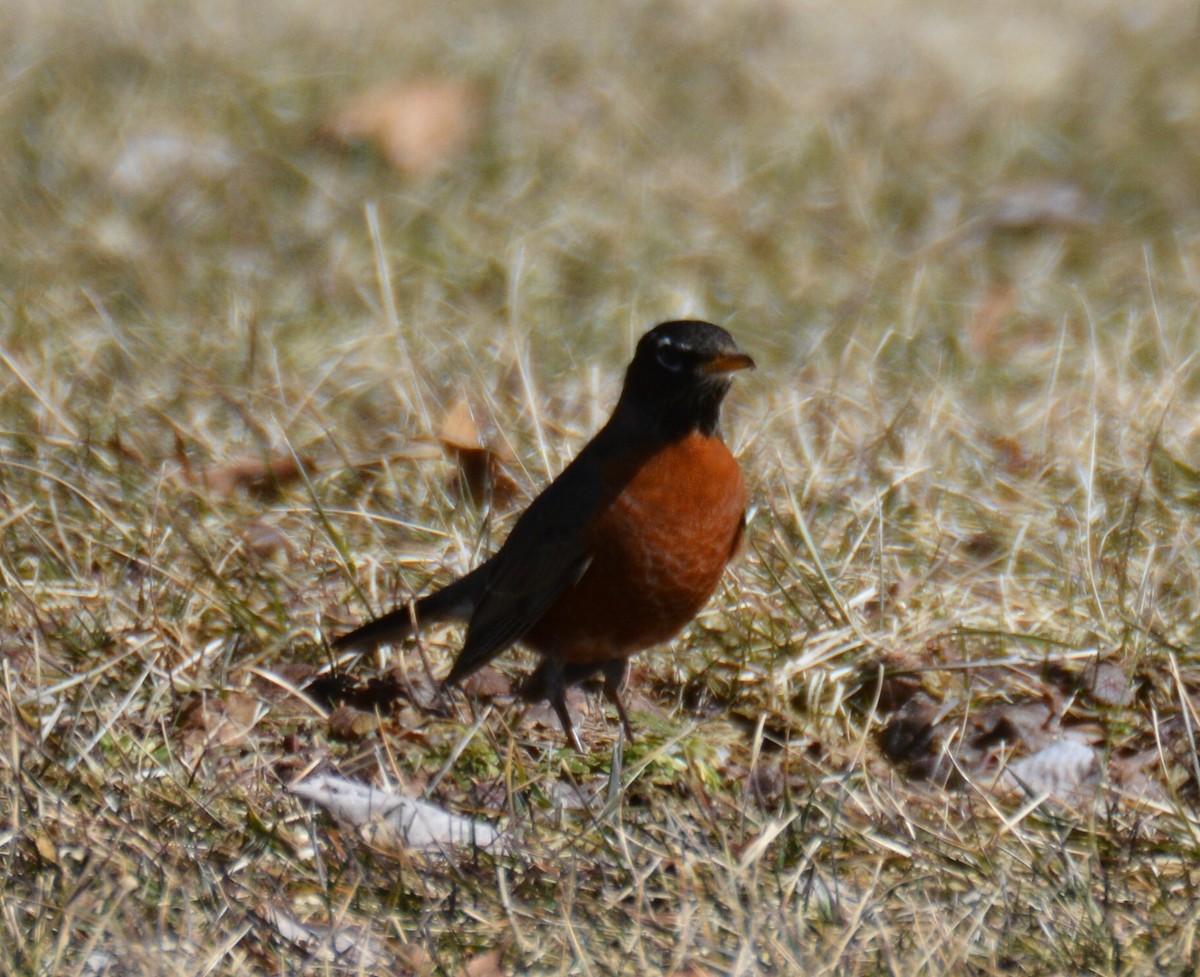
543,556
454,602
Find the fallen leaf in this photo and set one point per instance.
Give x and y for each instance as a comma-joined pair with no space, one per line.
1129,774
1067,771
393,821
458,428
1012,457
417,960
226,718
349,724
253,475
1027,724
485,965
487,683
1107,684
421,127
541,715
481,475
240,708
983,546
266,542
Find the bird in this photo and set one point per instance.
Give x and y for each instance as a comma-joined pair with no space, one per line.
620,551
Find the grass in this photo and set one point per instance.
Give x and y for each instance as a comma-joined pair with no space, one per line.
962,245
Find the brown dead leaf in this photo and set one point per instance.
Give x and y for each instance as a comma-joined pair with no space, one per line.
1131,775
265,542
1028,724
983,546
253,475
417,960
458,429
421,127
485,965
539,714
1013,458
1107,684
226,718
240,708
194,714
481,475
349,724
487,683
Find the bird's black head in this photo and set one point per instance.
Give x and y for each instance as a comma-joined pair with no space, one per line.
679,375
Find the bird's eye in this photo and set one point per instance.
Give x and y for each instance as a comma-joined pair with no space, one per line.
669,358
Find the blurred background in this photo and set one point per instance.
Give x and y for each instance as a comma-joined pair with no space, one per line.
804,172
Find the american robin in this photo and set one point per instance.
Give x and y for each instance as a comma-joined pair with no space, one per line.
623,548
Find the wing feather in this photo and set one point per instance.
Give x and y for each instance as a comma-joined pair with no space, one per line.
544,555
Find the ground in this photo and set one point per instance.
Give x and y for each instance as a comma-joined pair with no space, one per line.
299,304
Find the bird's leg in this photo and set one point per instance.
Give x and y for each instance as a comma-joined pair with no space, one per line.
548,682
615,672
564,717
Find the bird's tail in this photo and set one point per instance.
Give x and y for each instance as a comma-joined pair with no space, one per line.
454,602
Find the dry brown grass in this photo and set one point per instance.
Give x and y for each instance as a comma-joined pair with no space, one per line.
963,245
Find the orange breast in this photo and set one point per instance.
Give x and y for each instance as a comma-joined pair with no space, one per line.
658,552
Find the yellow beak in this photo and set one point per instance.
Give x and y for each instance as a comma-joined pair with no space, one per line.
728,363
